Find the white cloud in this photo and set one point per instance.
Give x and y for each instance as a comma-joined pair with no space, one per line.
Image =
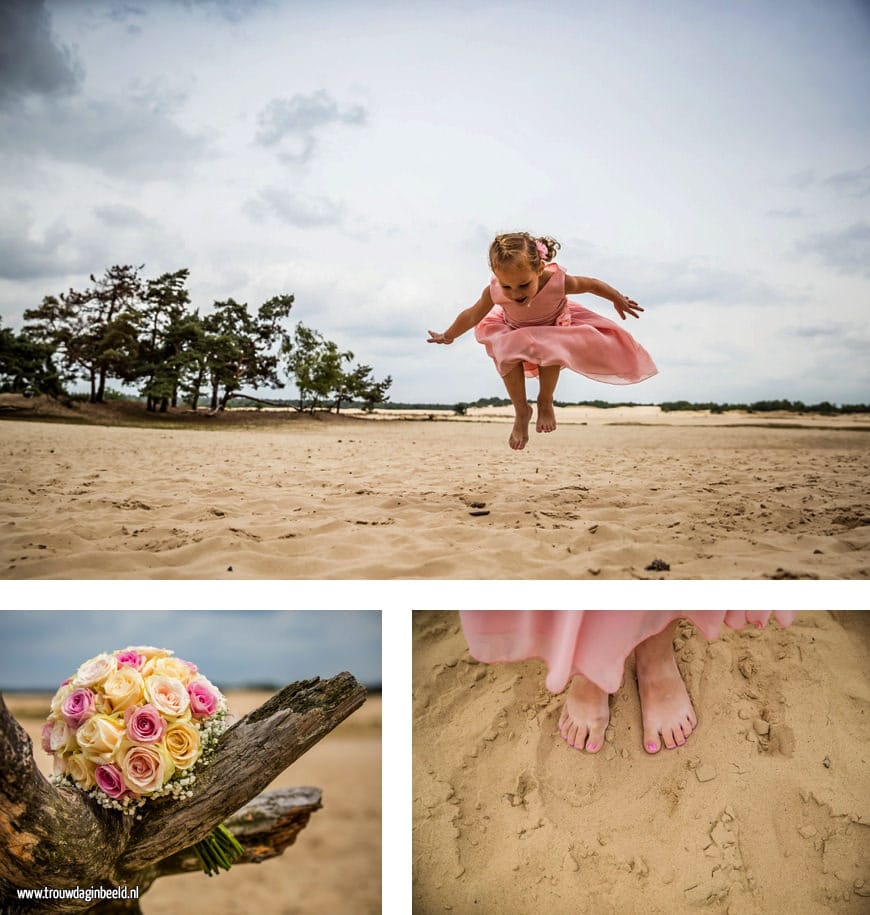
295,209
293,124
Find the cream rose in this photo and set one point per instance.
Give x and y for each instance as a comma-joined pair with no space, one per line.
171,667
59,696
145,769
99,737
182,744
124,687
168,695
81,770
149,651
95,670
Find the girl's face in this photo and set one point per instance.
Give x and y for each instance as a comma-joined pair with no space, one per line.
519,281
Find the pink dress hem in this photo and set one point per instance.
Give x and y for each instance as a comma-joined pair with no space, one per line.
594,643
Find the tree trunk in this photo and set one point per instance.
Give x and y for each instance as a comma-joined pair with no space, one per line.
60,838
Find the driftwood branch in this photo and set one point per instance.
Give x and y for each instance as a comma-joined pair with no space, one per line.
60,838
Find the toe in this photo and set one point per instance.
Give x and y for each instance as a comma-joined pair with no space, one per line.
595,740
651,742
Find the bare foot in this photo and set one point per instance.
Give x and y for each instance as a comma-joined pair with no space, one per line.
668,716
546,416
520,433
585,715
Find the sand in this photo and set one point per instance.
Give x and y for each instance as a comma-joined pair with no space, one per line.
766,809
335,864
611,491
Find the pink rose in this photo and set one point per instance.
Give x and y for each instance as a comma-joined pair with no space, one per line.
47,728
144,724
145,769
109,780
78,706
204,699
129,657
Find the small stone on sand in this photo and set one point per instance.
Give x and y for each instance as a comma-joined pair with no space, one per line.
705,772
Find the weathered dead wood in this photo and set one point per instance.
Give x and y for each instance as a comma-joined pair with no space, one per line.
61,838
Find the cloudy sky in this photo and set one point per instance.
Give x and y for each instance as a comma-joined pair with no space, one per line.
710,160
39,649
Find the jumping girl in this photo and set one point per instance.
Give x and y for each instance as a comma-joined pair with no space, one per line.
529,327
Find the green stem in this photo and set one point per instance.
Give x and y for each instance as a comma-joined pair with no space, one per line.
218,850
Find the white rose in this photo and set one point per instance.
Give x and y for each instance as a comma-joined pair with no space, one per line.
95,670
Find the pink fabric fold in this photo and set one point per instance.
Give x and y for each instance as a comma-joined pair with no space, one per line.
594,643
553,330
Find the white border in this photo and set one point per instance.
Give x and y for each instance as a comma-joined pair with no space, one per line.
396,600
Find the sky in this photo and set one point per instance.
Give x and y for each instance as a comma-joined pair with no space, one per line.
40,649
710,160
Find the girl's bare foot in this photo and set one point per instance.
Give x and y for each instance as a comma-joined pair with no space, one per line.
585,715
546,416
668,716
519,436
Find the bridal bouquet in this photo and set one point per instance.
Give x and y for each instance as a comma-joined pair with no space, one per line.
134,725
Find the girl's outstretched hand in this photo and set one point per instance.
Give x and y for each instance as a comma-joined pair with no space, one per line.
435,337
626,306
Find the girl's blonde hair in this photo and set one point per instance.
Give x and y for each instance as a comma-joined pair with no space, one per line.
518,246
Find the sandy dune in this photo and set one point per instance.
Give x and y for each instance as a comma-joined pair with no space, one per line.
766,809
335,864
603,496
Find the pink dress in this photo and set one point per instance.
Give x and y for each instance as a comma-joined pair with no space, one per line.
551,330
594,643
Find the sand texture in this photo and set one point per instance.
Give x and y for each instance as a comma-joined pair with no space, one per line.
602,497
766,809
335,863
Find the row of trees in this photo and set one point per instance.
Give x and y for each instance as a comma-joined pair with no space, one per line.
144,332
768,406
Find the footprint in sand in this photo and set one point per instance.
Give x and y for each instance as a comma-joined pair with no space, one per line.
725,876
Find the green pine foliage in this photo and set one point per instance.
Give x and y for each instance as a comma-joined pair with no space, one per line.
145,333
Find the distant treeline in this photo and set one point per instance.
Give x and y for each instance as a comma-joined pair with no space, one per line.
145,333
759,406
768,406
